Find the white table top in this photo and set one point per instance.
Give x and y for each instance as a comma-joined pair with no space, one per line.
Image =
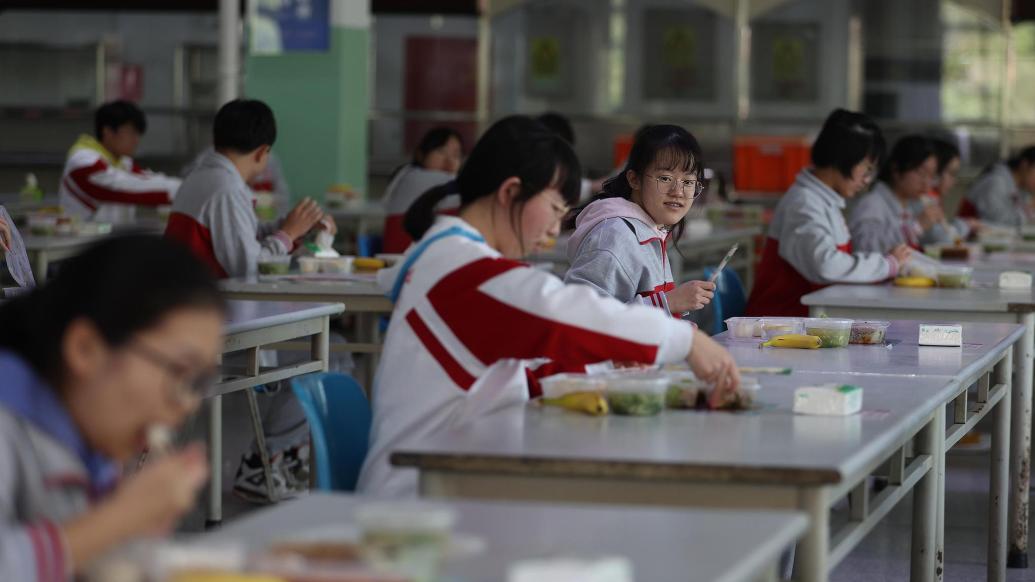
251,315
769,445
46,243
661,544
887,296
983,342
286,286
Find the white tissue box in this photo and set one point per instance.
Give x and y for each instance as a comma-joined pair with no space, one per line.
828,399
614,569
1014,280
932,334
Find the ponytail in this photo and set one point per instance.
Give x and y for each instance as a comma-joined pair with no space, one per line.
669,146
1025,155
421,214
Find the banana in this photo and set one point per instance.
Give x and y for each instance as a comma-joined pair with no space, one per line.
368,264
794,340
914,282
591,403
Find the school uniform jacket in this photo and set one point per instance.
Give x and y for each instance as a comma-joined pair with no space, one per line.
468,328
48,475
879,222
809,247
97,186
409,184
619,251
996,198
213,215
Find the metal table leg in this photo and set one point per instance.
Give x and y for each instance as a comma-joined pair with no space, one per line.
928,503
215,460
1020,444
811,559
998,491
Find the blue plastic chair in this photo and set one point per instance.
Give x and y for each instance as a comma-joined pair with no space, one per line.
368,245
339,421
729,300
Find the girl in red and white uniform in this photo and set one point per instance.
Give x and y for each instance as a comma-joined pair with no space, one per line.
435,162
809,244
472,325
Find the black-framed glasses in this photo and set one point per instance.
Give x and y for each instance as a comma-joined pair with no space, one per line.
690,188
188,385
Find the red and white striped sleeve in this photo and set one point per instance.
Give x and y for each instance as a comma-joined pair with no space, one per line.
100,183
35,553
493,309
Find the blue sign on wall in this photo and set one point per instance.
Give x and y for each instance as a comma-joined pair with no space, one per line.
279,26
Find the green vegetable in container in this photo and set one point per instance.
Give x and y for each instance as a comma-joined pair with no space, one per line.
635,404
830,338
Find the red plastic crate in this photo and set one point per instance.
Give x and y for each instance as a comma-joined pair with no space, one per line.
768,163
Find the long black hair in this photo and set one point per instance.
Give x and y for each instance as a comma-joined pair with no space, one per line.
123,285
908,154
515,146
667,146
847,138
1025,155
946,151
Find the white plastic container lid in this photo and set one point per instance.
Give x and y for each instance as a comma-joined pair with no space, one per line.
954,270
560,384
828,323
405,517
874,324
275,260
639,383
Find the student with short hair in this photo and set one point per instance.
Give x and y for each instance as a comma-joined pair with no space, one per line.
809,245
213,216
436,160
120,345
1002,194
884,218
472,322
101,181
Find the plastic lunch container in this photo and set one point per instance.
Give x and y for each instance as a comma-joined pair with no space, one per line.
336,265
308,265
278,265
868,332
684,389
954,277
774,326
636,394
833,333
560,384
744,328
405,538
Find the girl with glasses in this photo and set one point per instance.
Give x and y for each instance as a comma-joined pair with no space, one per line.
119,346
809,245
621,239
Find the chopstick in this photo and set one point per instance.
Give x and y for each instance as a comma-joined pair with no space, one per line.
722,264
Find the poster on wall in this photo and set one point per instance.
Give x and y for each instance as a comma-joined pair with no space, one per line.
548,61
785,61
279,26
679,54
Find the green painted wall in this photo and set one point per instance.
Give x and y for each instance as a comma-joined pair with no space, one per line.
321,103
